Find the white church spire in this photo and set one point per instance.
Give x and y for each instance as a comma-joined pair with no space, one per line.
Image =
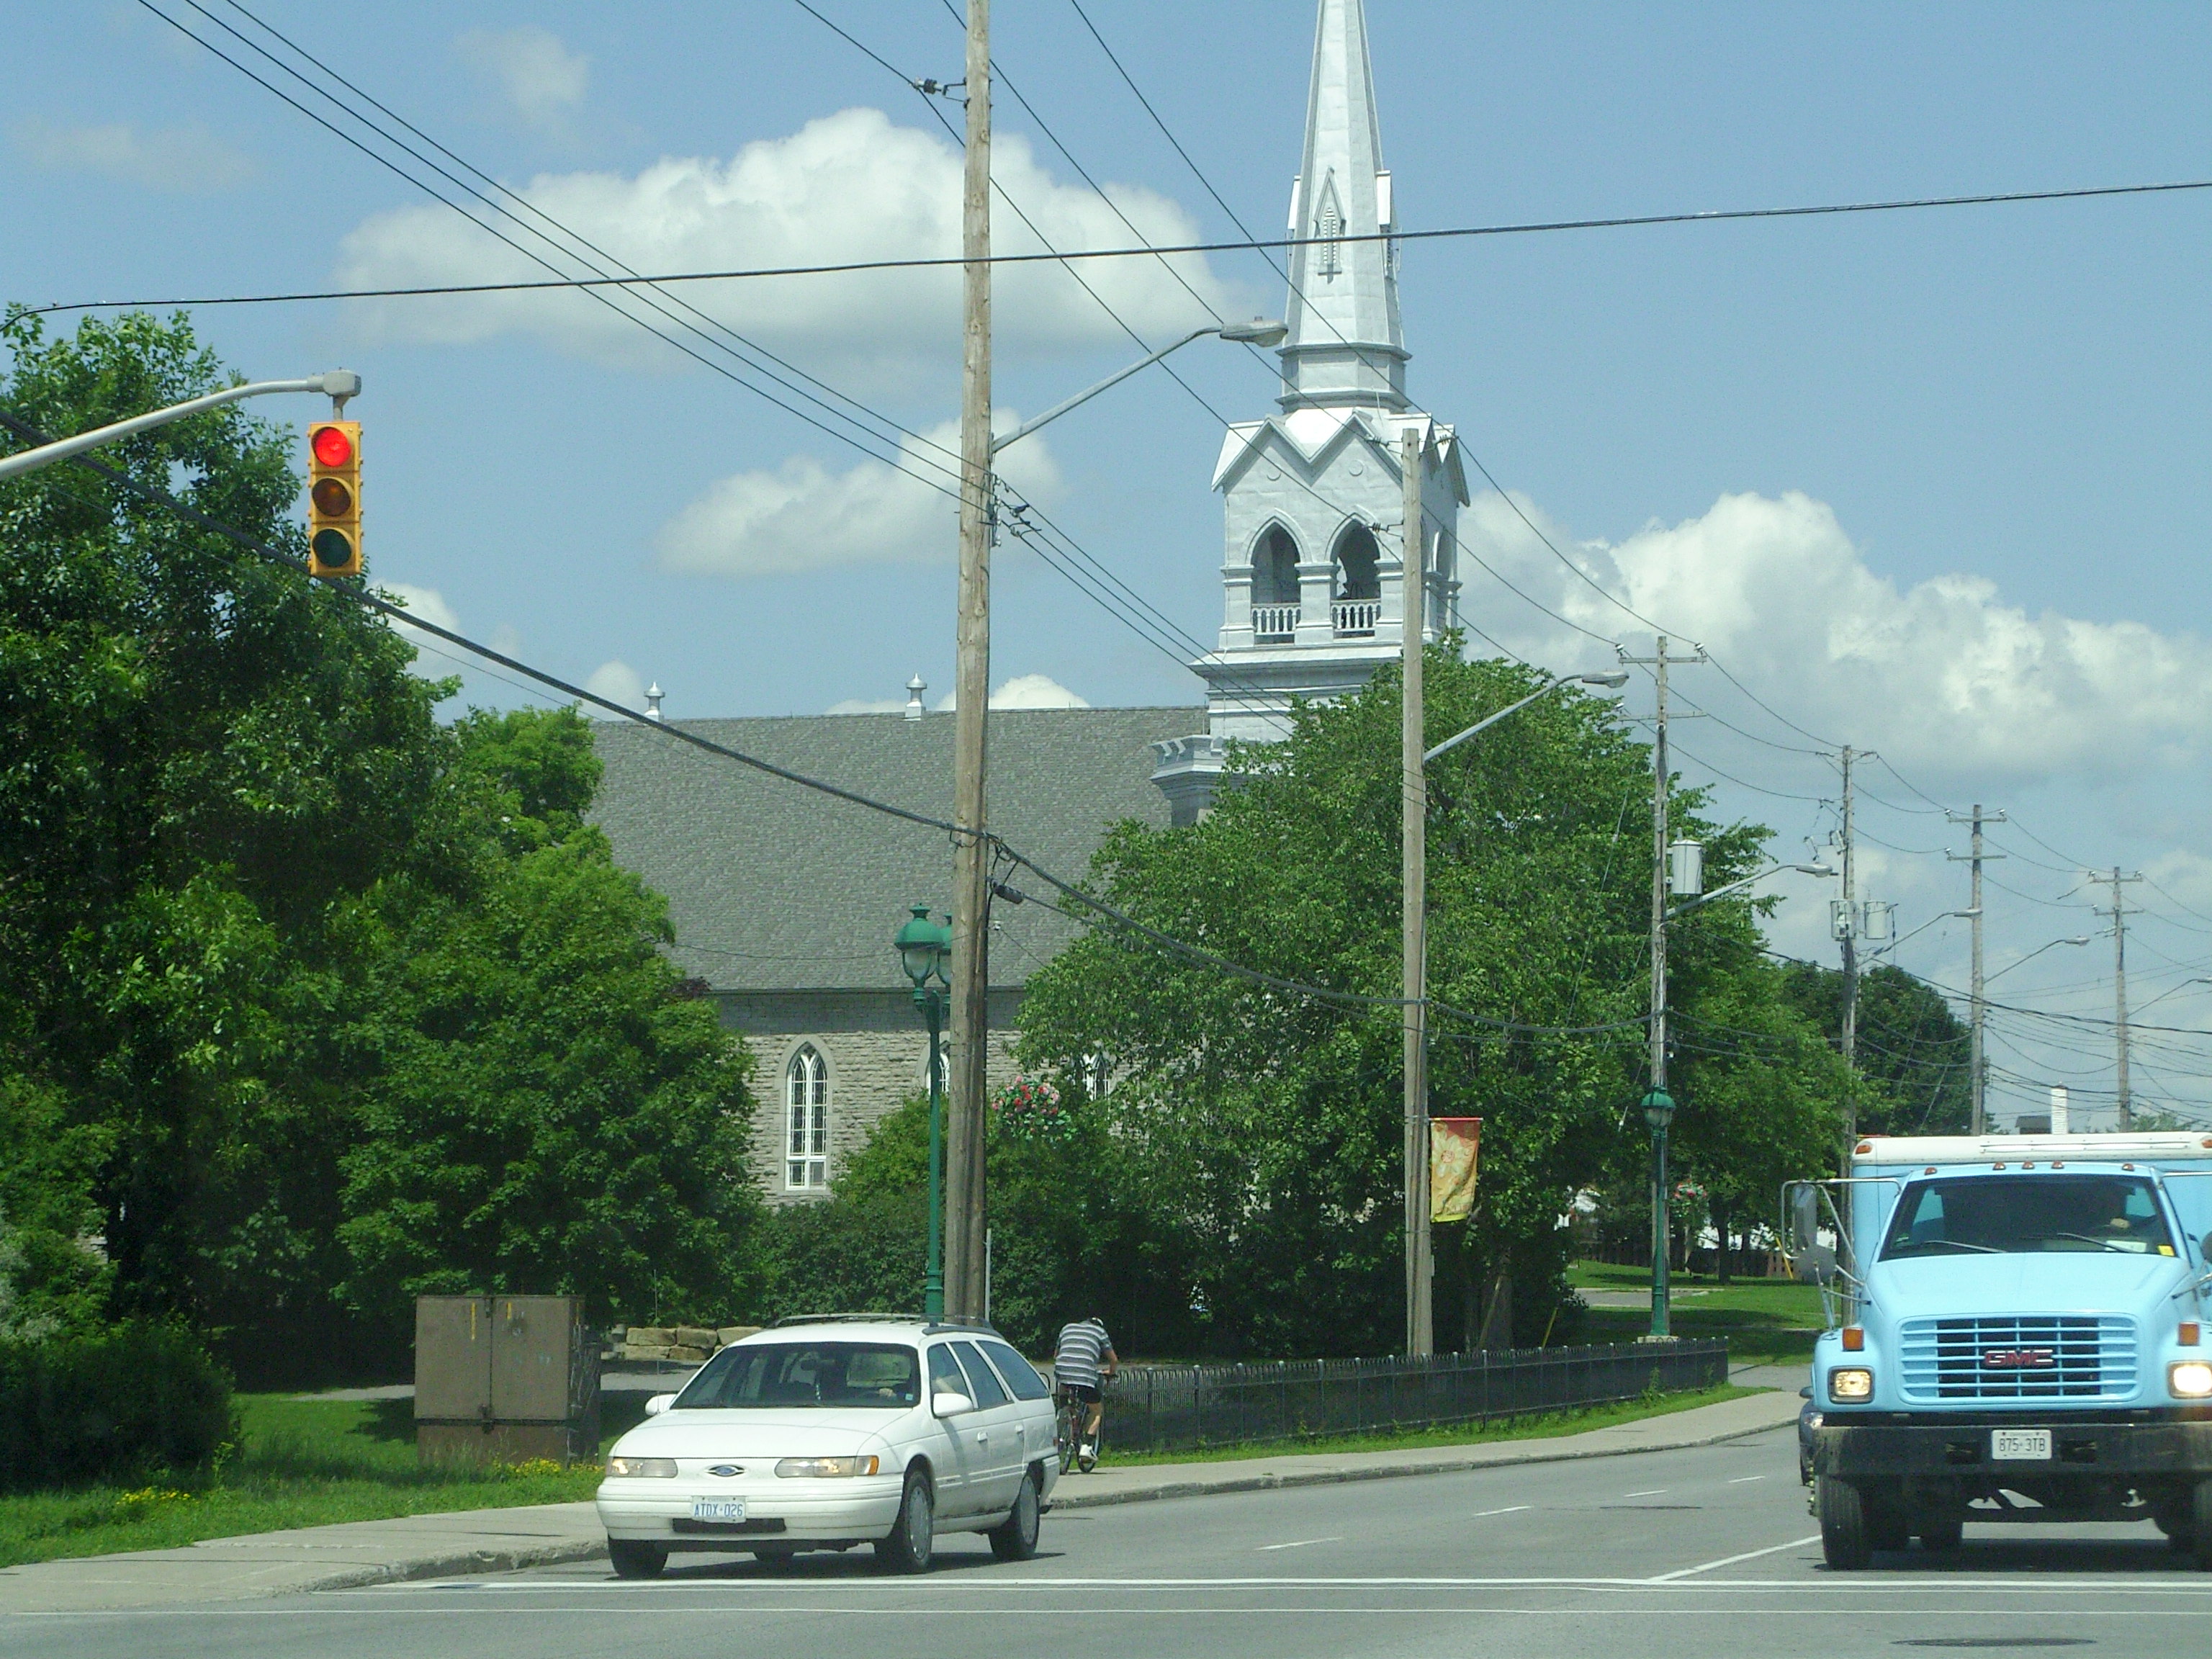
1346,345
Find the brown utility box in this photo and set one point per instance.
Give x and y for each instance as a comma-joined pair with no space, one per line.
505,1379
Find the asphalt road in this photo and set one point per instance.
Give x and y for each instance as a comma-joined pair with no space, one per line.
1704,1553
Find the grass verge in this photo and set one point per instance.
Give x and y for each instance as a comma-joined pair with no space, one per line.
1546,1426
1767,1321
299,1463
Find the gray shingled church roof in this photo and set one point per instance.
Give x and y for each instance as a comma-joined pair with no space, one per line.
773,887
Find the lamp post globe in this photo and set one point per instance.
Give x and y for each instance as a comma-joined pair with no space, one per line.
1659,1108
925,953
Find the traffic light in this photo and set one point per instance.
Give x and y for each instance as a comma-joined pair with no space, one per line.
334,498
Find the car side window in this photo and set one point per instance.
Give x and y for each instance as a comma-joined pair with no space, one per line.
944,1376
986,1391
1021,1377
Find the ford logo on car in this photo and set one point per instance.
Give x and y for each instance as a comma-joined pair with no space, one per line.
2018,1359
725,1470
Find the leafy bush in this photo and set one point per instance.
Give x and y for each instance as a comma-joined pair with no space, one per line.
139,1401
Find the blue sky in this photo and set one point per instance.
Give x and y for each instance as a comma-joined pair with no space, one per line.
1930,483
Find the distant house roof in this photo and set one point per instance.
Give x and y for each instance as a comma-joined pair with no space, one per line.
774,887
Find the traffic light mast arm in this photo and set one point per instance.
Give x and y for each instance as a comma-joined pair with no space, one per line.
339,383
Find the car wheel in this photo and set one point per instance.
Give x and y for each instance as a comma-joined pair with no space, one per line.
1844,1542
1015,1539
913,1541
632,1560
1944,1534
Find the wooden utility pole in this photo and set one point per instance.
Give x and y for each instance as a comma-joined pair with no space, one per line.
2119,916
1414,821
1978,1119
971,967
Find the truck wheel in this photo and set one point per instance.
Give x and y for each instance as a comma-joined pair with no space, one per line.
2200,1529
1844,1542
1941,1535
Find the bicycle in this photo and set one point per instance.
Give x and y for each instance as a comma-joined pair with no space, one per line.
1072,1419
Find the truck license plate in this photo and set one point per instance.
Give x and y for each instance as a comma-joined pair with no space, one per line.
733,1509
2020,1445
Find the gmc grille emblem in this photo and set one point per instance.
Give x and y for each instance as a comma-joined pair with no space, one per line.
725,1470
2018,1359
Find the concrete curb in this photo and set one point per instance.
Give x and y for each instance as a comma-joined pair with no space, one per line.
451,1563
1269,1482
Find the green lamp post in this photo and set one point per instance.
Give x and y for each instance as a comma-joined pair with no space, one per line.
925,952
1659,1113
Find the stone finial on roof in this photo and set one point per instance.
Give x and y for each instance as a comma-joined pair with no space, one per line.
915,687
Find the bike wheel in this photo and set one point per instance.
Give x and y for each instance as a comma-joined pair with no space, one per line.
1071,1425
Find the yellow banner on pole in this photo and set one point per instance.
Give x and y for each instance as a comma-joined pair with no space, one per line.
1454,1143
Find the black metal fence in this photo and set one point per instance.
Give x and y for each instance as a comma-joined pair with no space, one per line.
1165,1407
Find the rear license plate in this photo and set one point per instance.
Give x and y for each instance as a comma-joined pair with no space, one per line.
733,1509
2020,1445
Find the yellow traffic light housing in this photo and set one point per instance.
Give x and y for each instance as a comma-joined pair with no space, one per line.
334,498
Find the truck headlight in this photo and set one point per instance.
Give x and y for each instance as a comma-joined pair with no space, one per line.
823,1467
2190,1379
636,1469
1852,1383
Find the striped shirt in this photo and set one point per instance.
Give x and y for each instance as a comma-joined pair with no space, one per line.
1082,1345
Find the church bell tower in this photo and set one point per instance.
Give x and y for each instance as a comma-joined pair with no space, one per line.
1317,589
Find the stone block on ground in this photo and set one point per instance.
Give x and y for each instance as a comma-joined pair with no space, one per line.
685,1356
694,1336
730,1333
650,1336
645,1350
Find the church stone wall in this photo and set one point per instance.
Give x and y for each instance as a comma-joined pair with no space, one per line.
876,1049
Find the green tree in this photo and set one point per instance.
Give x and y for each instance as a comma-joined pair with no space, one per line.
1910,1044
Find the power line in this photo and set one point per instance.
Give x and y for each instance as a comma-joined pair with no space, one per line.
1246,244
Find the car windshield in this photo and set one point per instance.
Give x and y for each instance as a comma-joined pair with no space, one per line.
778,1376
2007,1214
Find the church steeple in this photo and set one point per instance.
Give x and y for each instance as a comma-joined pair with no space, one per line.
1346,345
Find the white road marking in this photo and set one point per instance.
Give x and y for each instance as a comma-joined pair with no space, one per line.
1730,1560
1742,1479
1932,1584
1299,1544
1649,1492
1510,1509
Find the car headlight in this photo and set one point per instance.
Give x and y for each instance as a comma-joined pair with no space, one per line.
1852,1383
636,1469
797,1468
2190,1379
1813,1420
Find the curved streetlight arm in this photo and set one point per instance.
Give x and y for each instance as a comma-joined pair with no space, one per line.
1488,721
1941,915
1738,886
2079,938
340,383
1261,333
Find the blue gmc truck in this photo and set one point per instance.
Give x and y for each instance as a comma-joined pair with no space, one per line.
2016,1333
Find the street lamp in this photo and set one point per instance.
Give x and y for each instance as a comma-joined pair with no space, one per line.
1659,1113
1747,881
1420,1315
2079,938
1260,332
925,949
339,384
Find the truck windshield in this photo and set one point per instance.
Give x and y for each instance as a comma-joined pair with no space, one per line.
2004,1214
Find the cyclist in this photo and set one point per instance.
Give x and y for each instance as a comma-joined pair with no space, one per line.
1083,1354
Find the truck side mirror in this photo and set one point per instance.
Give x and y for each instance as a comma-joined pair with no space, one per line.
1804,1216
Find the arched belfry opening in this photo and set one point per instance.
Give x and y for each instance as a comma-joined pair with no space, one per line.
1358,585
1274,586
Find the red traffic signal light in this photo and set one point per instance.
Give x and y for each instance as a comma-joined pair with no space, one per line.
334,498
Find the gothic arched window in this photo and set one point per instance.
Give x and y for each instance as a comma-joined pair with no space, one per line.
806,1121
1355,559
1275,568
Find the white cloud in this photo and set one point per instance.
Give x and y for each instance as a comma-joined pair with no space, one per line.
537,76
187,160
1023,691
1944,678
848,186
804,517
617,681
428,604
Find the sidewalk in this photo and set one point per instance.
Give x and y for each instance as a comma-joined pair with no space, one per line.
1703,1426
499,1540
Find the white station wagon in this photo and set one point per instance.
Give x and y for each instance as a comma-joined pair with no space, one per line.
825,1433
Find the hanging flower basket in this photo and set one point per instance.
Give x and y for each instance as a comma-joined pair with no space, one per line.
1030,1108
